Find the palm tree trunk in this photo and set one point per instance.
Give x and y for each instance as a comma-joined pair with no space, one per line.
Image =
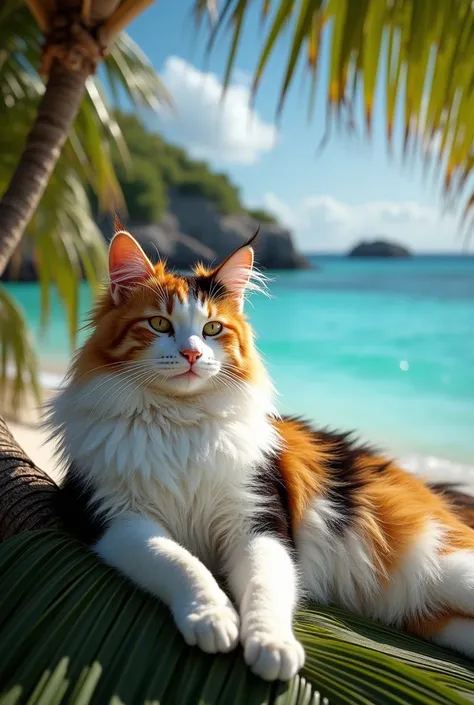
26,492
56,114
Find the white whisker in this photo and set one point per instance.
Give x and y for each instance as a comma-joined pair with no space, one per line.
147,380
131,369
128,377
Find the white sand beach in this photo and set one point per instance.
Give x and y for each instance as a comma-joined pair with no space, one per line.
26,427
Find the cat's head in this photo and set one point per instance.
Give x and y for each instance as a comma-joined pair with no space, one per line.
178,334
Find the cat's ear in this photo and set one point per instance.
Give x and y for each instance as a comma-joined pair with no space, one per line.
235,272
128,264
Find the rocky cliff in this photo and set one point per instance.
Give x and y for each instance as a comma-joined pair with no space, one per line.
193,229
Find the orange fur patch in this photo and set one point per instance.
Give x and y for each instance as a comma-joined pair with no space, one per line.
430,625
395,507
301,465
392,506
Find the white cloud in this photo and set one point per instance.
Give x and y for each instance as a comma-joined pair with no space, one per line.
211,128
326,224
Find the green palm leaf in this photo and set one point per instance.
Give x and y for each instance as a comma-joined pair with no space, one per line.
17,354
126,71
72,631
63,237
66,243
427,46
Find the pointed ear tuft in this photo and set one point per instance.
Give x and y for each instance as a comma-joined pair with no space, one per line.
235,272
118,227
128,264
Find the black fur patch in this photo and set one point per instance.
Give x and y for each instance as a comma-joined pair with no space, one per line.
77,511
275,518
206,286
346,480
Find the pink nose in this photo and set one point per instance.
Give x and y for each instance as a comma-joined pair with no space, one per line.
191,355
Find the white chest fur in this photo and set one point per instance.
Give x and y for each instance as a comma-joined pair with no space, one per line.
185,463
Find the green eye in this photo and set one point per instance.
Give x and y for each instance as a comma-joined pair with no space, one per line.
212,328
162,325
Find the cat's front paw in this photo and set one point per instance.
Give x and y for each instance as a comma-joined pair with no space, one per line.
211,625
273,656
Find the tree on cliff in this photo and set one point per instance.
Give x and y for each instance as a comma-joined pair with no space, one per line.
70,628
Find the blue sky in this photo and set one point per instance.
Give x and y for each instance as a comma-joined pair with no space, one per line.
331,199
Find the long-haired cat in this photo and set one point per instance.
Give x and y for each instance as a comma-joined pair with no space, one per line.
179,471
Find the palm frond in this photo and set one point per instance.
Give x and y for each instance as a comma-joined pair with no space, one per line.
418,53
18,361
125,72
63,237
66,245
72,631
127,69
20,43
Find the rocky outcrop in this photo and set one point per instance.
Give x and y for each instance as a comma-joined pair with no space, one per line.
379,248
193,229
199,218
166,240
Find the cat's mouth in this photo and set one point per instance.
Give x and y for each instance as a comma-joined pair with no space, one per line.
189,374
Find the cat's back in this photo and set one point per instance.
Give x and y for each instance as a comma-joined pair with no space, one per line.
369,535
353,479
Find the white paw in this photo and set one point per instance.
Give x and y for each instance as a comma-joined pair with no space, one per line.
212,625
273,656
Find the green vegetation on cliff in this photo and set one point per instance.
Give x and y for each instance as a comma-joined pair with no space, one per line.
155,167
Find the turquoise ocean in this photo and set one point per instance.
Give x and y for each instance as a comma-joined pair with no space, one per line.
385,347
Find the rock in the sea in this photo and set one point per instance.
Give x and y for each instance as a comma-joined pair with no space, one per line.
379,248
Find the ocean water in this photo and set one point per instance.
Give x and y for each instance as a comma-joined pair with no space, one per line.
385,347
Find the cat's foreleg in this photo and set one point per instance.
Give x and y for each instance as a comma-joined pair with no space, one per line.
263,578
143,550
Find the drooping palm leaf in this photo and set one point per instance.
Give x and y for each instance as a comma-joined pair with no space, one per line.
125,70
63,237
18,363
66,244
419,52
102,641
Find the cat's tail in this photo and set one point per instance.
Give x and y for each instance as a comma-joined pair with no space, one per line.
461,502
450,629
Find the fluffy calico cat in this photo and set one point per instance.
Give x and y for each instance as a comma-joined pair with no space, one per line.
179,470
